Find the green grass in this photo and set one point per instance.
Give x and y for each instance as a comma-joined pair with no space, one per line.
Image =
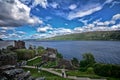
85,74
34,62
50,64
113,78
82,74
38,60
59,71
47,75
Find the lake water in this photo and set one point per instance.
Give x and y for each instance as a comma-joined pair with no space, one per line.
104,51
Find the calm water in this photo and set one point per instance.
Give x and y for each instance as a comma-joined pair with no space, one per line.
104,51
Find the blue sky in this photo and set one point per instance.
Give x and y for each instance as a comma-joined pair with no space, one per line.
32,19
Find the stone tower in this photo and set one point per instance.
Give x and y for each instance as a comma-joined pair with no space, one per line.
19,44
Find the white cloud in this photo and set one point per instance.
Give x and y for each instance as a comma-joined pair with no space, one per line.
53,32
116,27
63,31
83,13
78,30
44,29
20,32
116,17
101,28
105,23
48,18
114,3
98,25
72,7
66,24
90,25
7,28
89,29
42,3
54,5
3,31
37,9
15,13
83,21
41,36
10,36
86,10
3,36
108,1
60,31
13,34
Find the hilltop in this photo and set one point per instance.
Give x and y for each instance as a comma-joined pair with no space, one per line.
96,35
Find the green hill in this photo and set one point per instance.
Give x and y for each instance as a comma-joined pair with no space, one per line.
97,35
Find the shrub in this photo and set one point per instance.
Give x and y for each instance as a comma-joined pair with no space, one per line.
107,70
59,55
90,70
24,54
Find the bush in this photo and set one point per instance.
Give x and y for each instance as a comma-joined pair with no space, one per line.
75,62
83,69
107,70
40,50
88,60
24,54
90,70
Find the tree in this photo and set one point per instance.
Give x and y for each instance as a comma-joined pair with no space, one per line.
75,62
10,48
40,50
59,55
88,60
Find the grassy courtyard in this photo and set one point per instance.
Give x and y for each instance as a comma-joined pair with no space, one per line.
34,61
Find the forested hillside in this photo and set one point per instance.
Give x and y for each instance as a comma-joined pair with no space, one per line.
97,35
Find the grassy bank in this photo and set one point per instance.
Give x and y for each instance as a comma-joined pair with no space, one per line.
82,74
47,75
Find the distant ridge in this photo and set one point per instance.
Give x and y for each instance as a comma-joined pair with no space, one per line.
96,35
1,39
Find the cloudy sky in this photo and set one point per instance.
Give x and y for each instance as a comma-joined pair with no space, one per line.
31,19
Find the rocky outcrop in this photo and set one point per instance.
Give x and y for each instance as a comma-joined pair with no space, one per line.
10,72
49,55
63,63
6,59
